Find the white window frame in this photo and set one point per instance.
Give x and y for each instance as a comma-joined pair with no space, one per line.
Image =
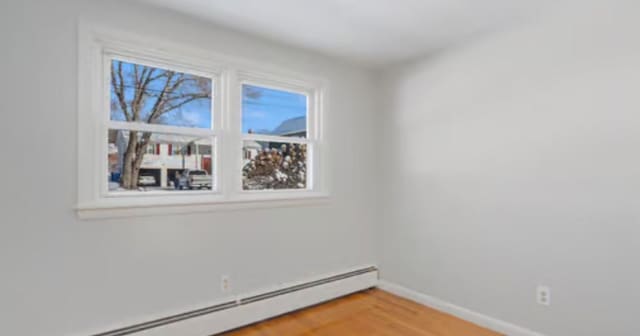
99,45
313,125
104,117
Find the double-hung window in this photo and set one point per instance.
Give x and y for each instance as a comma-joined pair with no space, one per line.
152,110
278,135
168,129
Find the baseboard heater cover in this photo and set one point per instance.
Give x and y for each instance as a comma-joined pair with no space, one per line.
226,306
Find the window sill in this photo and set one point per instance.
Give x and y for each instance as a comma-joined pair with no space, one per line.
152,206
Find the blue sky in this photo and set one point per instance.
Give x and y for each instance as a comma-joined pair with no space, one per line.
193,114
263,109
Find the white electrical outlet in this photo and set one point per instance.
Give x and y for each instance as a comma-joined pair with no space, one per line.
225,284
543,295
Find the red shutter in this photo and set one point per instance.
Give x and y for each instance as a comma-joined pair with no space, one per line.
170,149
157,149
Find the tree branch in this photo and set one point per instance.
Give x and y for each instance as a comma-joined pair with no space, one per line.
142,81
156,110
184,102
119,90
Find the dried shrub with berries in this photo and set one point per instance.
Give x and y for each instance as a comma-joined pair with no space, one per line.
280,166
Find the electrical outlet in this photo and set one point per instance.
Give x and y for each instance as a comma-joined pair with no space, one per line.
543,295
225,284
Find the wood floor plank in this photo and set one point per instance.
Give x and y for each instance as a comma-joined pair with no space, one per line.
370,313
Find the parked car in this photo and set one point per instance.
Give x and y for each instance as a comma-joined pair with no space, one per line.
194,179
146,180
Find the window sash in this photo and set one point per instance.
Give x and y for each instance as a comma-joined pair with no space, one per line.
287,85
216,112
215,173
310,181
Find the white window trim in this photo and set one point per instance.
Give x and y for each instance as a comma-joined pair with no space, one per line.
228,75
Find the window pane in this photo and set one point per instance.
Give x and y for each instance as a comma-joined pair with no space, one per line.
151,95
273,112
166,162
274,165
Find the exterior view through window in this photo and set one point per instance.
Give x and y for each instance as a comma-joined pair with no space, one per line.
274,127
157,138
164,129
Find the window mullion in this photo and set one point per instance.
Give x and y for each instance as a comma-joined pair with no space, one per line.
231,148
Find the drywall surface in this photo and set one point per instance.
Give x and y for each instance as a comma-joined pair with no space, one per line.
513,162
63,276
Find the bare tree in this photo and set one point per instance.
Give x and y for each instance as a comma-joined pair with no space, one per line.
146,94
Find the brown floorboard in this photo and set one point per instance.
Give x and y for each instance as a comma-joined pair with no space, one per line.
369,313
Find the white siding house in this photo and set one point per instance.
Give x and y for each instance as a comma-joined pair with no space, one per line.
166,156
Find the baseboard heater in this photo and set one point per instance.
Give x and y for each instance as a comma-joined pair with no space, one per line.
253,308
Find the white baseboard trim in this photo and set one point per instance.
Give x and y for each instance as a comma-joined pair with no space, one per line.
457,311
254,307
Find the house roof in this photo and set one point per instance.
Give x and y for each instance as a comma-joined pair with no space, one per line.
291,126
162,138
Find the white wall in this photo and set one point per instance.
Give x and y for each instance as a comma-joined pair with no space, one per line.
510,162
60,275
514,161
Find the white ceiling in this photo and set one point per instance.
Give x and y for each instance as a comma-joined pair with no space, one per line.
374,32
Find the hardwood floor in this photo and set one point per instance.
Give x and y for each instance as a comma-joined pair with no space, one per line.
370,313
